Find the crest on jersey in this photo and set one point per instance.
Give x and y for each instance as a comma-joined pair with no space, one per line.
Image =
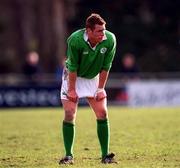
103,50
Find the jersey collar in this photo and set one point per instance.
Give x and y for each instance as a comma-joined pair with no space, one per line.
86,40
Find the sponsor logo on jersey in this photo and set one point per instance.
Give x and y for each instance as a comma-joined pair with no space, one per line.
85,52
103,50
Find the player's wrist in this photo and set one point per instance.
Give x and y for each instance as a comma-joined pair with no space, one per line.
72,88
100,94
100,90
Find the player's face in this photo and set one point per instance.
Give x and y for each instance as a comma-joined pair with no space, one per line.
97,34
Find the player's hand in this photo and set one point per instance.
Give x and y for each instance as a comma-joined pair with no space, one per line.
100,94
72,96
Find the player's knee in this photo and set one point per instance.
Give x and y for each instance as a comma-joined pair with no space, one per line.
69,115
102,114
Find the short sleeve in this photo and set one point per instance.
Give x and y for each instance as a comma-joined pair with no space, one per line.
110,55
72,55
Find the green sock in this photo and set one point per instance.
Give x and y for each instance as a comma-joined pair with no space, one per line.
103,135
68,136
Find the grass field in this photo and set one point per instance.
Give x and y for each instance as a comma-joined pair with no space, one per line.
140,138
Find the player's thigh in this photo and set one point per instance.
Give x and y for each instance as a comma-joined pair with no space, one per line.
99,107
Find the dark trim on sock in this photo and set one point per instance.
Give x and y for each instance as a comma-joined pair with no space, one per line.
68,124
103,121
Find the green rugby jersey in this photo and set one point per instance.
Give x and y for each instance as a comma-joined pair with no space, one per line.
87,61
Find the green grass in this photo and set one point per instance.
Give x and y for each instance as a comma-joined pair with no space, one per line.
141,138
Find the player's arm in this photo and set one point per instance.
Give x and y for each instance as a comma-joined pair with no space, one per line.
72,95
110,54
101,93
72,65
103,79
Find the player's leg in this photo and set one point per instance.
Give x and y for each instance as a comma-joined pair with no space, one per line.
70,109
100,109
103,131
68,129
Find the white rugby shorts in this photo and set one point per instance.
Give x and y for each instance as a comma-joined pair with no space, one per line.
84,87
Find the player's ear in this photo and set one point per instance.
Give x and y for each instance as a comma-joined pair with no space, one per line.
88,30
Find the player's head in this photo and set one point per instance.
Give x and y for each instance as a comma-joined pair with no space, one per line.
94,19
95,27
